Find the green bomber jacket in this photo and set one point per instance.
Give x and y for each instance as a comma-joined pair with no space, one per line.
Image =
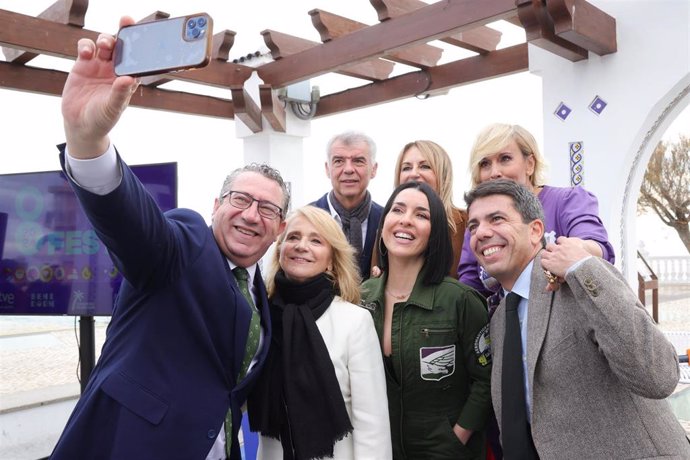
439,370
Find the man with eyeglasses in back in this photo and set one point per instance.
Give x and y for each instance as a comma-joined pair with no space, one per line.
190,327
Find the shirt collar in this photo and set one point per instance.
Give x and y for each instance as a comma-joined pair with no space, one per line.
250,269
521,286
334,214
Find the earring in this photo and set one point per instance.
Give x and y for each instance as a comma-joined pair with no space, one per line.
382,247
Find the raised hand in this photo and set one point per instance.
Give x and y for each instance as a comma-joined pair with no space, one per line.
93,98
559,257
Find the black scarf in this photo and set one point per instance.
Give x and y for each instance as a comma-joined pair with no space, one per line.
298,398
352,220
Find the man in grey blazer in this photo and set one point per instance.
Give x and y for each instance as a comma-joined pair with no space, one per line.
596,369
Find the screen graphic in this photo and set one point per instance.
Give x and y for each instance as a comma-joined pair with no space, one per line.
51,261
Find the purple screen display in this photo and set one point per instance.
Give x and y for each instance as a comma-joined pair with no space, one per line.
51,261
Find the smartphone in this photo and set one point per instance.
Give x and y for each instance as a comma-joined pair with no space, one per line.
164,46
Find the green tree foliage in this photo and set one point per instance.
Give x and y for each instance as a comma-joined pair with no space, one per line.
666,186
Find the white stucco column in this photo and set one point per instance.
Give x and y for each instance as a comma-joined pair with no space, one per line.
283,151
640,89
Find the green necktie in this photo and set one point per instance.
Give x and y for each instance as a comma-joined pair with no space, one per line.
242,277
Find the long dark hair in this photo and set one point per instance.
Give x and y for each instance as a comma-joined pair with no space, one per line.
439,251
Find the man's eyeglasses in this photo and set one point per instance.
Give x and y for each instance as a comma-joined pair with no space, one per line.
241,200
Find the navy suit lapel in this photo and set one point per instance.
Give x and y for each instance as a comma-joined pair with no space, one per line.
241,323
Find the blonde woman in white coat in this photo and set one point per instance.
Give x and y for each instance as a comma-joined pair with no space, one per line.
322,392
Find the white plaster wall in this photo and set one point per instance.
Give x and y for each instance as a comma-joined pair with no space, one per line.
643,85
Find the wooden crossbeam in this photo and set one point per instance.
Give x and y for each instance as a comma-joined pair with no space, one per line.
331,26
481,39
47,37
470,70
283,46
272,108
50,82
246,109
155,16
539,30
41,36
70,12
429,23
432,81
590,28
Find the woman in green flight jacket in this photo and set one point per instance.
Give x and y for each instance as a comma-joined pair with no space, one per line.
433,332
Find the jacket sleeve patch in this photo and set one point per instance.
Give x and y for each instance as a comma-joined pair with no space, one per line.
482,346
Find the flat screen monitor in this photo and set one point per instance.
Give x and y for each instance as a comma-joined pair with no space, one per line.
51,261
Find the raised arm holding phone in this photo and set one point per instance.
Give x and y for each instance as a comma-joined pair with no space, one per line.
190,326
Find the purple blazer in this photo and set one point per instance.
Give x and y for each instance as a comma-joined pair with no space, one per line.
568,211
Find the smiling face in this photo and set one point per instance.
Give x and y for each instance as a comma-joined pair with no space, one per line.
304,253
350,169
243,235
407,225
502,243
508,163
415,167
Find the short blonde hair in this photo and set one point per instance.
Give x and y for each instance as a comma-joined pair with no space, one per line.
440,164
495,137
345,274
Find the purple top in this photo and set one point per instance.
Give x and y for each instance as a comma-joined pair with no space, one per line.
568,211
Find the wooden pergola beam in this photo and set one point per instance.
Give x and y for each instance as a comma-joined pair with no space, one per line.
272,108
481,67
332,26
283,46
69,12
590,28
41,36
51,82
429,23
155,16
246,109
481,39
539,31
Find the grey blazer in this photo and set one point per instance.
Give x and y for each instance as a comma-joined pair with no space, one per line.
599,370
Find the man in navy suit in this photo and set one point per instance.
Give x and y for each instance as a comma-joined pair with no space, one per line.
350,165
185,344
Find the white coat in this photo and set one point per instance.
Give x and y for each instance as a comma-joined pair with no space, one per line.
352,343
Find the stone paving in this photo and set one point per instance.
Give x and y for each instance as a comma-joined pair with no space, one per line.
36,354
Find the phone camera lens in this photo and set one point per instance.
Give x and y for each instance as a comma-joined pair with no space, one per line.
191,23
196,33
201,22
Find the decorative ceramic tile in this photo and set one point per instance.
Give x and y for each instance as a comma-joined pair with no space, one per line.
576,164
597,105
562,111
